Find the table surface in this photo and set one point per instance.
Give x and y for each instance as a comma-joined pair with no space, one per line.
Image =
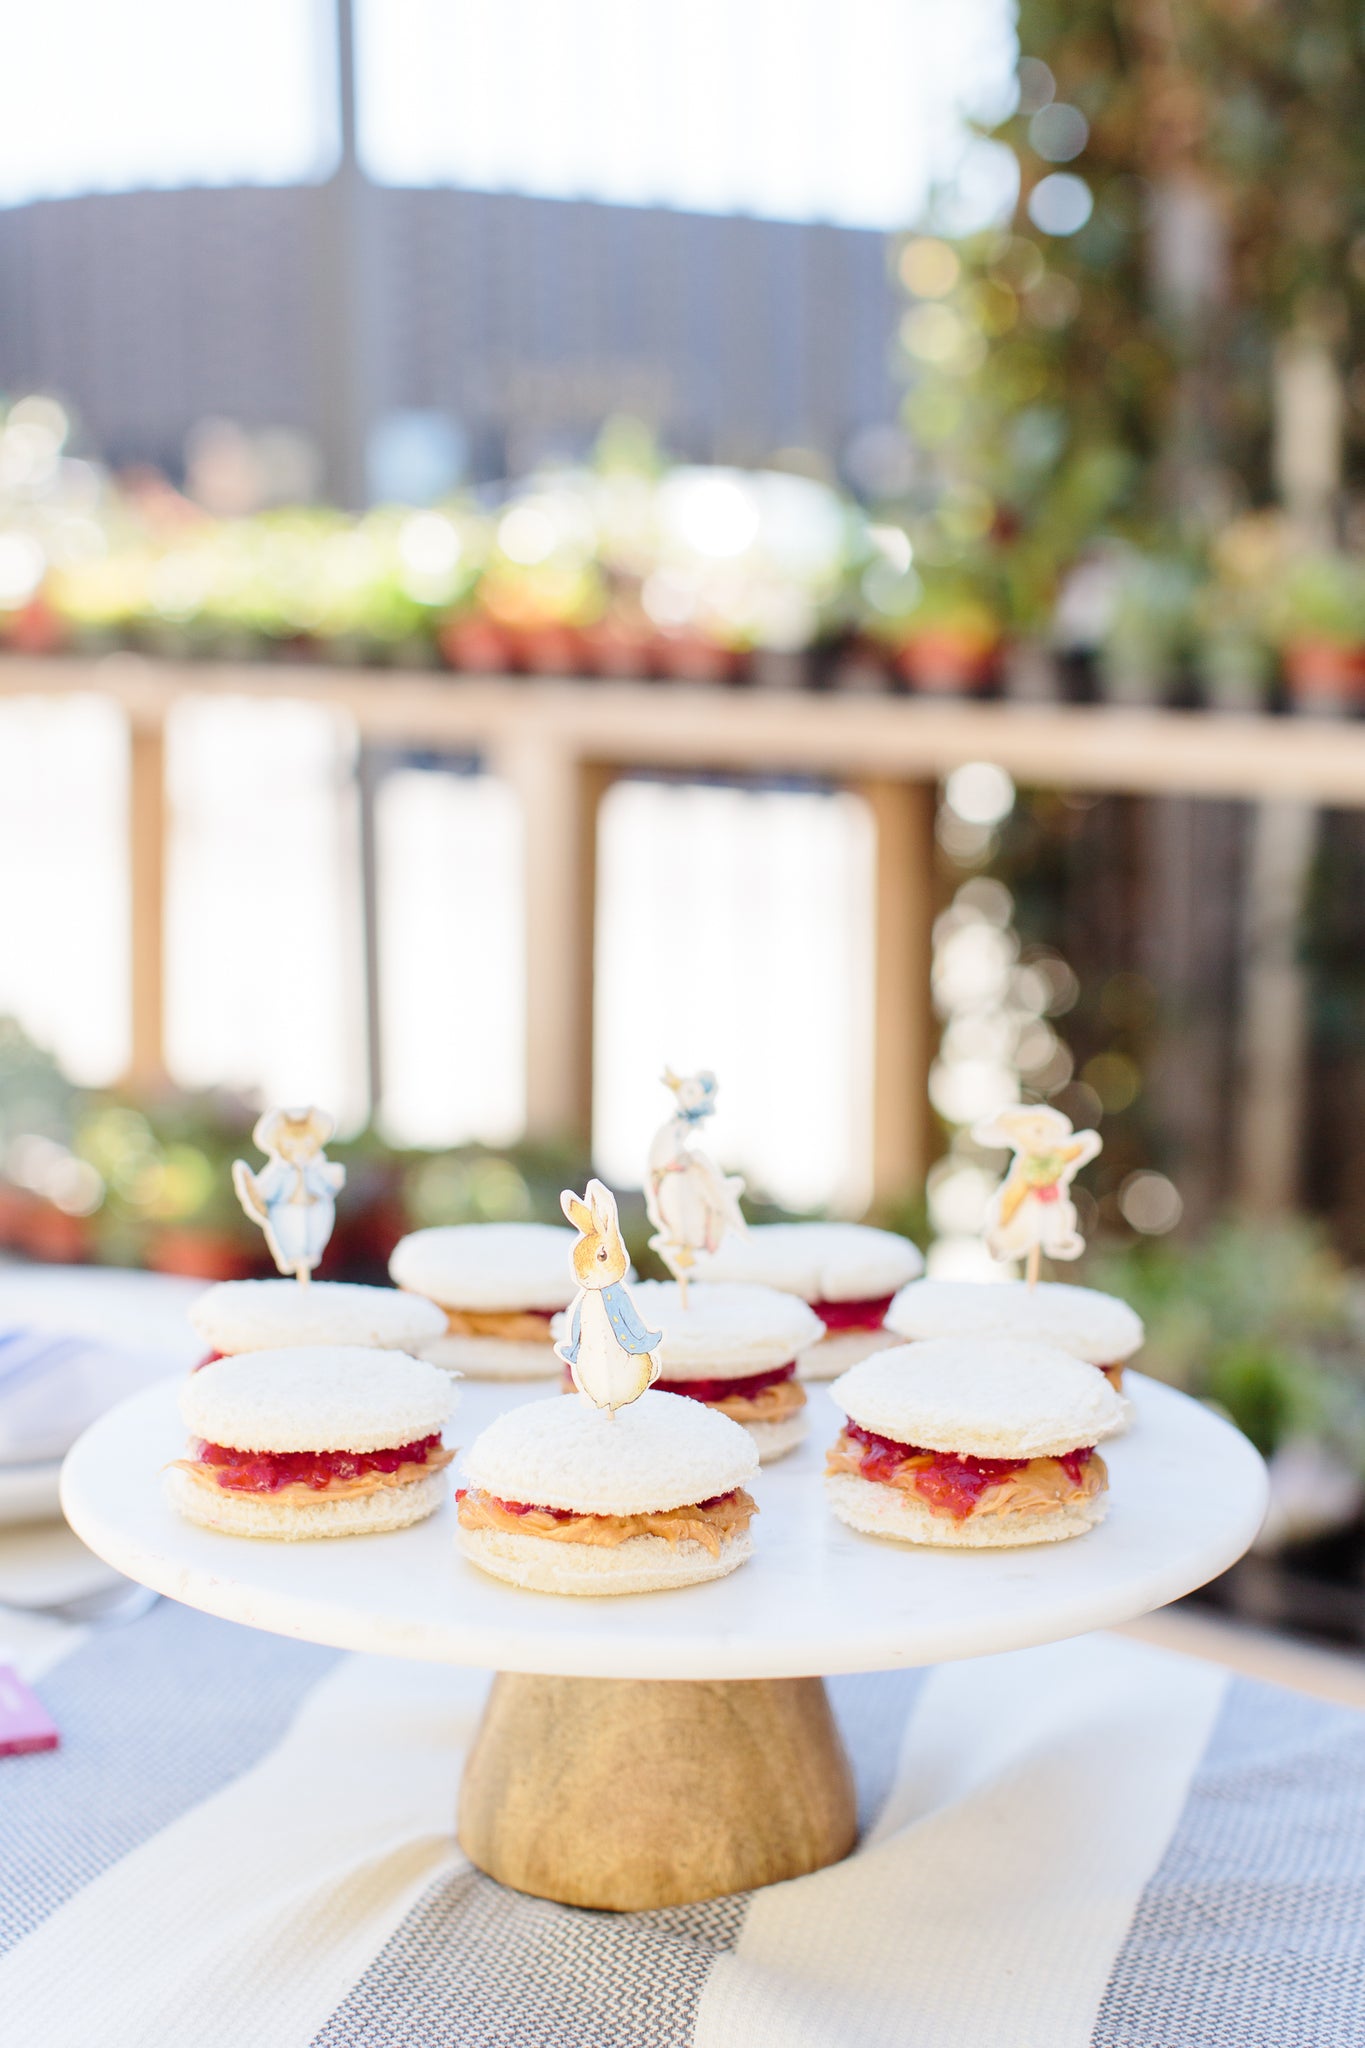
1089,1845
1188,1495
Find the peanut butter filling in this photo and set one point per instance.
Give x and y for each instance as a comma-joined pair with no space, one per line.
518,1326
769,1404
712,1524
1041,1487
299,1495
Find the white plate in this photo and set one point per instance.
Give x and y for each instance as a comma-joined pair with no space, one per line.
29,1493
1189,1496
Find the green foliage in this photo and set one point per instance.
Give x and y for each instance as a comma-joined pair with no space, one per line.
1321,598
1257,1318
1118,381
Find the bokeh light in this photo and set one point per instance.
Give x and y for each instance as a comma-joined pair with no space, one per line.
1151,1203
980,792
1060,204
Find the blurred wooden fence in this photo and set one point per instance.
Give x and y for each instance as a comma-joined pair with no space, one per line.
559,744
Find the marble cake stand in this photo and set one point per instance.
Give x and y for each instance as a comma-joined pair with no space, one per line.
668,1747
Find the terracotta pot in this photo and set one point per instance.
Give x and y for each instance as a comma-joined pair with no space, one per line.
944,663
1325,678
691,658
476,644
613,648
551,649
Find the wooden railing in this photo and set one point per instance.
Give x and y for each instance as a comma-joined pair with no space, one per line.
561,743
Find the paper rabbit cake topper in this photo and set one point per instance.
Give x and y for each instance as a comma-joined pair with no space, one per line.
612,1356
1031,1212
293,1197
690,1202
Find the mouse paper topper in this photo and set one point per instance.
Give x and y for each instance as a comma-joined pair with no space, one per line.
690,1202
612,1357
1032,1212
293,1197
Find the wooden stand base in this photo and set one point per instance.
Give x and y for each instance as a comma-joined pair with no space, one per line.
633,1793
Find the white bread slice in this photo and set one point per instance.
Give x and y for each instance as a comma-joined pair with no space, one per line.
274,1315
818,1261
642,1564
1097,1327
994,1398
663,1451
889,1511
773,1440
493,1267
323,1397
728,1330
259,1514
493,1358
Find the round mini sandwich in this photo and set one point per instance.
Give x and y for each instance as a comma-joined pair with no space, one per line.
734,1349
954,1443
273,1315
321,1440
1097,1327
498,1284
847,1272
567,1498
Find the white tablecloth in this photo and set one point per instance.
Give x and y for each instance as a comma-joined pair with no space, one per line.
1095,1845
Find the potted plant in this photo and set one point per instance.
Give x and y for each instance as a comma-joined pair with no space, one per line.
952,643
1234,662
1319,619
1150,627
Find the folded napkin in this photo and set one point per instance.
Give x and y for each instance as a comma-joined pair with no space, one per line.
74,1340
52,1386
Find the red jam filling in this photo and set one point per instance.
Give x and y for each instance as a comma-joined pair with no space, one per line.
207,1359
719,1390
528,1507
268,1471
948,1482
869,1314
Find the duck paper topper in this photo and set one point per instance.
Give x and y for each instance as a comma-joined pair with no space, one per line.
1031,1212
293,1197
612,1357
690,1202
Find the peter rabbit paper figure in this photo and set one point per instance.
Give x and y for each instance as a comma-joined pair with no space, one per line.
293,1197
690,1202
1031,1211
612,1356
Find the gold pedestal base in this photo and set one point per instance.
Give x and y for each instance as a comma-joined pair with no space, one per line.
632,1793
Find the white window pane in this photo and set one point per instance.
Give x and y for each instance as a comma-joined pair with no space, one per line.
64,880
451,954
788,109
735,931
116,95
264,966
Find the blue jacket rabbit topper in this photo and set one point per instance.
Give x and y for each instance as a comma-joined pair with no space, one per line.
610,1354
293,1197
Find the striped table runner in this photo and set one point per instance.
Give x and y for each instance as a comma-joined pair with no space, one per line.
247,1840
